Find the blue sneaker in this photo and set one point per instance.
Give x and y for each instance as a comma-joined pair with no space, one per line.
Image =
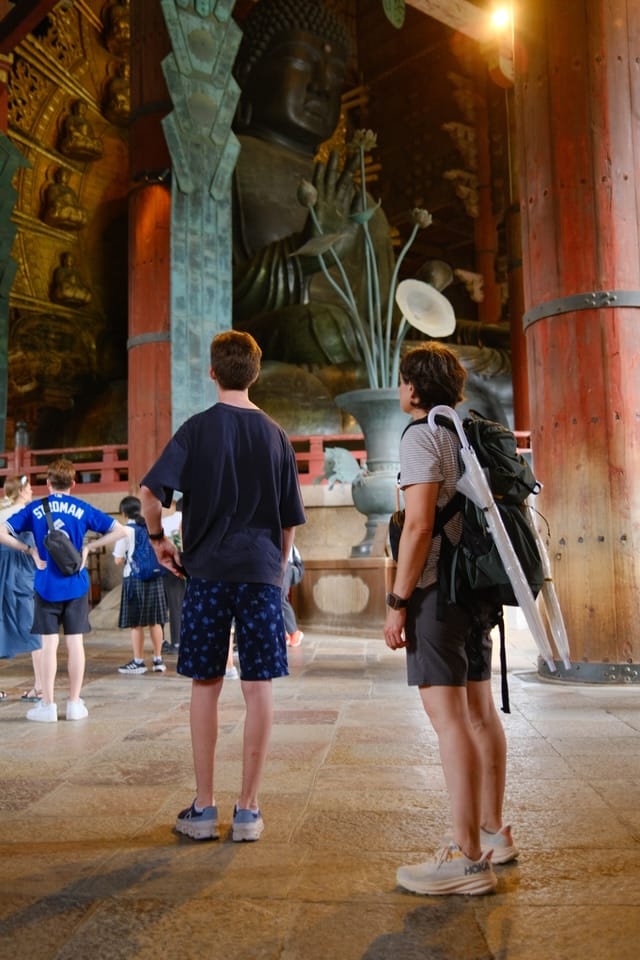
198,824
247,824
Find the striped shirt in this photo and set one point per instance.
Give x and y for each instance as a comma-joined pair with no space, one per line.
432,456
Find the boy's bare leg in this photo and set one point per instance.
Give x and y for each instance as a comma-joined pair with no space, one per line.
258,697
75,664
204,735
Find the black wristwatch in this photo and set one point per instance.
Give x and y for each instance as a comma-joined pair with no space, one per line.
157,536
396,602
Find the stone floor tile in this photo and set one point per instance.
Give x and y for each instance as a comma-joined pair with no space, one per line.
92,867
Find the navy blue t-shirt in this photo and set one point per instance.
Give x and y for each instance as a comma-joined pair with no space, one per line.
237,473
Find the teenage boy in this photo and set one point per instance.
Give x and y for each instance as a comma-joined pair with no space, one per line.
61,601
241,502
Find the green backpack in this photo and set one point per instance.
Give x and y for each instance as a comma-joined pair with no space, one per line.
474,565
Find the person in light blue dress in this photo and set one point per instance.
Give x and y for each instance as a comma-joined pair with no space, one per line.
16,590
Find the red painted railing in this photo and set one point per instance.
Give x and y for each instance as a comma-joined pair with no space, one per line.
99,469
106,469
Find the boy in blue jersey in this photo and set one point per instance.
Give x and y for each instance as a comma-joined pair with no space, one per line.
241,502
61,601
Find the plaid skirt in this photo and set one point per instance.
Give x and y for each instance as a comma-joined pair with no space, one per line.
143,602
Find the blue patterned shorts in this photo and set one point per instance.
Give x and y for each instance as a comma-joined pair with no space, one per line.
208,610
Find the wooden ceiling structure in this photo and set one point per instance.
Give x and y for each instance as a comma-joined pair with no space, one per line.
17,19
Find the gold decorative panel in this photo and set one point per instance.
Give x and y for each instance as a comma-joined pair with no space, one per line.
68,103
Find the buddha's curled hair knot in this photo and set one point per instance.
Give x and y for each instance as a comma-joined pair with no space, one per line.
269,19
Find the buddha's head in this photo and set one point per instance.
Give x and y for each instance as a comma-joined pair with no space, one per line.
291,67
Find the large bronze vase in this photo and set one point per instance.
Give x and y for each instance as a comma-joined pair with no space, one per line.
382,421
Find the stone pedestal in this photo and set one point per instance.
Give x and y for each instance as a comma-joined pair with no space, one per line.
344,596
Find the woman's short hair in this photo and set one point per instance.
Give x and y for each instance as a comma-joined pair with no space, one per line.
235,359
435,373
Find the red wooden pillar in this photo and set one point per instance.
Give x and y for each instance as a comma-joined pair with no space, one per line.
577,91
513,224
486,231
149,341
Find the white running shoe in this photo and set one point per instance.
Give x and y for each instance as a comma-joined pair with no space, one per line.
501,842
450,872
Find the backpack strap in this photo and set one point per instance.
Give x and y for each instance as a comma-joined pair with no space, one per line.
444,514
504,685
47,513
453,506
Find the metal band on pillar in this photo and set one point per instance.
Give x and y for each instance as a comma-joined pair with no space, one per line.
595,300
141,338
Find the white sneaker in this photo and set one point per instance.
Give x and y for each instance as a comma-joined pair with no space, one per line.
501,842
450,872
231,673
43,713
76,710
159,666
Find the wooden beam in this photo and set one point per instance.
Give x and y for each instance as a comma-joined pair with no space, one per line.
458,14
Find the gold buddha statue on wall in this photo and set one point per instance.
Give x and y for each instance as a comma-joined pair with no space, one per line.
117,28
68,287
117,107
78,139
62,207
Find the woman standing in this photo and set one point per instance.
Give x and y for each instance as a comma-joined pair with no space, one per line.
16,589
448,653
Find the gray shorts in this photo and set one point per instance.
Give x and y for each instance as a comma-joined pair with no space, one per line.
443,653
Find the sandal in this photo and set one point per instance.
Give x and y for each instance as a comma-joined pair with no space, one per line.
32,696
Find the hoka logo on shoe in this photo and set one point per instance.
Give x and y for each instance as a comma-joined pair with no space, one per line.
480,867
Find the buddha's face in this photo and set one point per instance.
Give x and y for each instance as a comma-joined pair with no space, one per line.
295,91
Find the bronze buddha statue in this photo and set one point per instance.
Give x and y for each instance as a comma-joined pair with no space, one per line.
291,69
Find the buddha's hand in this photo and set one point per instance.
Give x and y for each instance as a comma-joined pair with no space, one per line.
335,195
